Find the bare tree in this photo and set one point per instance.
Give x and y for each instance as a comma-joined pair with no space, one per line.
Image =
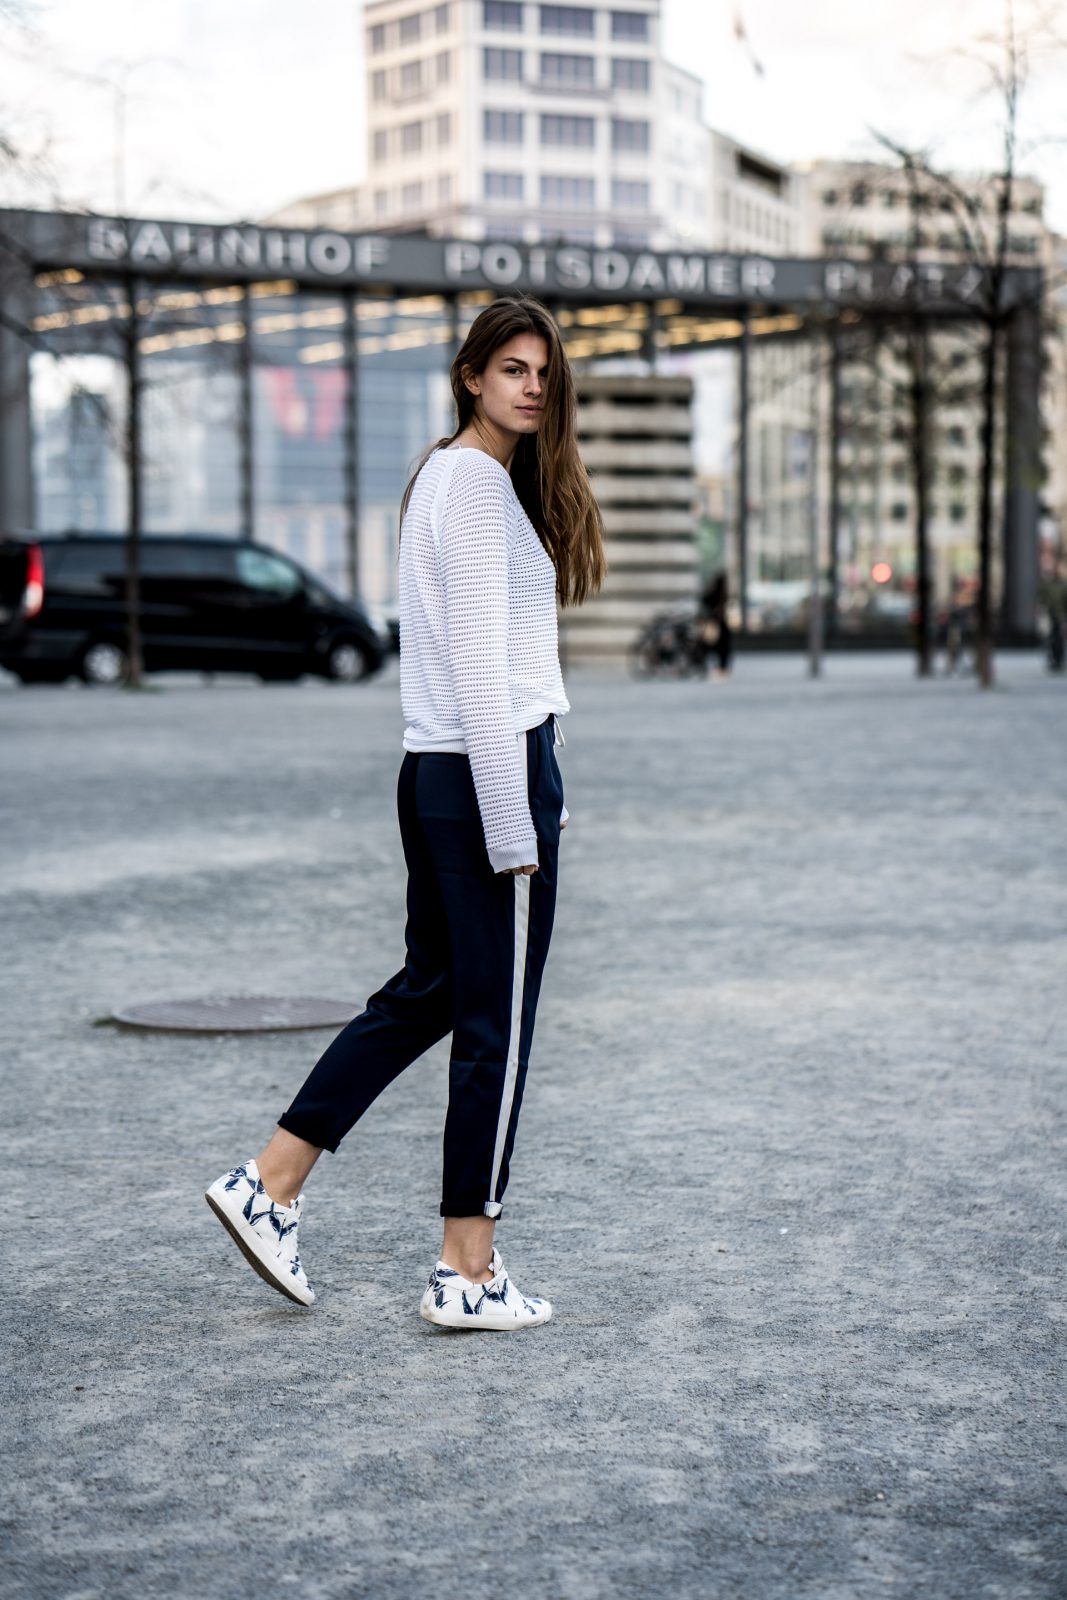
982,215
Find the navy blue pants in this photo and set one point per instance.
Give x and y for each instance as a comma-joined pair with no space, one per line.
476,946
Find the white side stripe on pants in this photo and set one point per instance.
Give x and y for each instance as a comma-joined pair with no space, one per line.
493,1207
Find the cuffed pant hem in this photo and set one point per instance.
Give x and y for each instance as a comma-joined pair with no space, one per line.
470,1206
304,1129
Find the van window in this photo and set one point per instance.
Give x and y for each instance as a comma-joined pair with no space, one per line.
96,567
86,566
269,573
190,561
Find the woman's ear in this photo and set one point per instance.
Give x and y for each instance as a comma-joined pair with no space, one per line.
470,380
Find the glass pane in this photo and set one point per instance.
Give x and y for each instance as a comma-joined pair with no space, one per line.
405,405
191,342
78,393
300,395
783,456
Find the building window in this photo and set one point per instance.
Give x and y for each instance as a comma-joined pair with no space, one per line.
957,511
505,14
577,132
377,86
444,188
377,37
411,28
629,194
501,66
411,196
443,63
502,185
899,510
628,74
501,127
829,197
444,127
629,25
566,192
411,138
381,202
574,20
627,133
630,238
410,77
381,144
571,71
441,18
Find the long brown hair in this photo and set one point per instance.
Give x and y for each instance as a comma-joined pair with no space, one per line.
548,473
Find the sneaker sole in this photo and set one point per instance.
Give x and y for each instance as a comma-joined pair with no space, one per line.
481,1324
248,1250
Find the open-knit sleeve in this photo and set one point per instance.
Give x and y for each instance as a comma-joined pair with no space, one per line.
472,529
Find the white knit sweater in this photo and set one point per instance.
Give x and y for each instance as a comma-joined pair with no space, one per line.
479,660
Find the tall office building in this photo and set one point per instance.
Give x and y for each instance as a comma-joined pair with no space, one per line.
508,118
512,119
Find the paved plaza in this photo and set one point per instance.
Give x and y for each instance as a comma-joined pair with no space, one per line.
790,1164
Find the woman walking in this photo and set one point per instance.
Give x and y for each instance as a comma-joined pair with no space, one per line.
497,522
715,631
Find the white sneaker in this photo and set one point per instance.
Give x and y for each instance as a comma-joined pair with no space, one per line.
455,1302
262,1230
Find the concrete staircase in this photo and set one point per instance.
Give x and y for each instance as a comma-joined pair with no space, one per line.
635,436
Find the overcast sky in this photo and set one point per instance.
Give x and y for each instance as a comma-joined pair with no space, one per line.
235,107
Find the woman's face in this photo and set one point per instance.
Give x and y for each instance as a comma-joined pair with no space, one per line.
512,386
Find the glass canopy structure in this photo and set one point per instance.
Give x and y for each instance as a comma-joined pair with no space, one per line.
280,384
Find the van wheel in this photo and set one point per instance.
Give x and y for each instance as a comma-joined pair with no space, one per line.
346,662
104,664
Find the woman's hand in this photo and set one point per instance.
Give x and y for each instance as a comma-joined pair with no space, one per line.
526,871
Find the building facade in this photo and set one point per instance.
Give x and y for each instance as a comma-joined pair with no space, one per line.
511,119
287,381
869,211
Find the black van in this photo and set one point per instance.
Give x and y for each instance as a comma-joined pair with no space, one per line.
208,604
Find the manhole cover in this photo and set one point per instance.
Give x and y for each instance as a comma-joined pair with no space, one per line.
249,1013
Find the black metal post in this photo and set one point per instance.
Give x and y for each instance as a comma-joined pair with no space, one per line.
17,305
351,342
815,617
134,448
245,359
919,357
743,377
835,475
1022,473
453,327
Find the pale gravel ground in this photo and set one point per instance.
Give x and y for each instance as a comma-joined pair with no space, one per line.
790,1164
